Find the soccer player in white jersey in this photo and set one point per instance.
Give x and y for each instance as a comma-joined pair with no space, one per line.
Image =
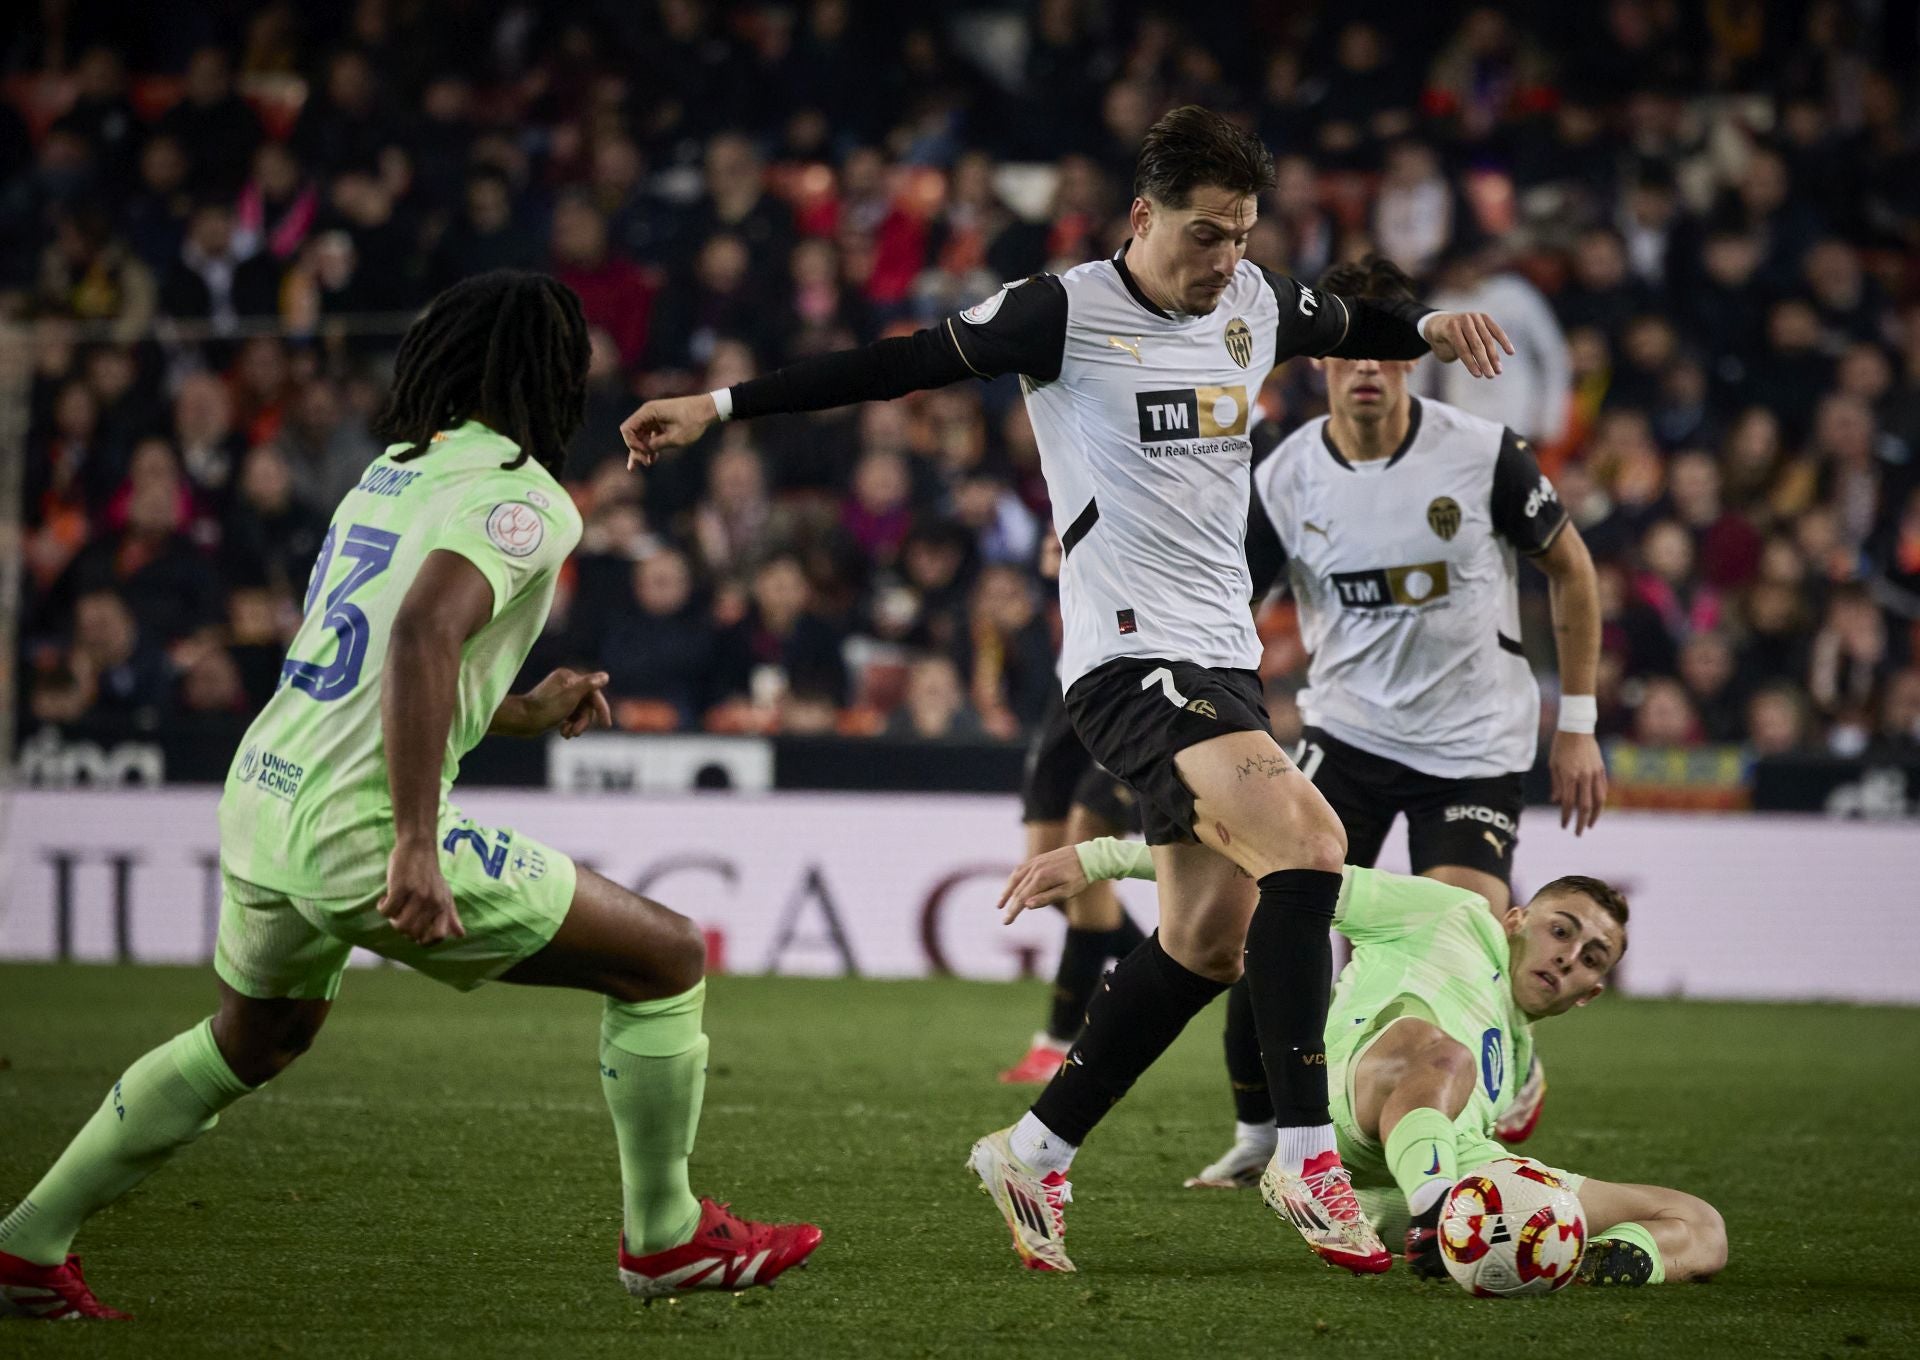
1397,523
1139,374
335,830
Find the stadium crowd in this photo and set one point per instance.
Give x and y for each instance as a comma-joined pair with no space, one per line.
1701,224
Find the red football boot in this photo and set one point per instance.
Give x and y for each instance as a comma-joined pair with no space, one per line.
50,1293
1523,1116
1318,1200
1042,1061
724,1252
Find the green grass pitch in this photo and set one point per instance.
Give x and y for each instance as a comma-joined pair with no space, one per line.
437,1178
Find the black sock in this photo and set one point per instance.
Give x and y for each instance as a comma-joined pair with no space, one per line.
1135,1014
1124,938
1252,1102
1290,982
1081,959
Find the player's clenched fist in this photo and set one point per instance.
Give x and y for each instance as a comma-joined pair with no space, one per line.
417,900
670,423
1474,338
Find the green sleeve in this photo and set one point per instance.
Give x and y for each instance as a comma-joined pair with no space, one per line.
1108,857
1376,905
515,535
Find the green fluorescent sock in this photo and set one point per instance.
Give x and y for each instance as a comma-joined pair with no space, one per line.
1420,1155
164,1101
653,1071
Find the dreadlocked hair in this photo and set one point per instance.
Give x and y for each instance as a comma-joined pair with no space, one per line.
508,348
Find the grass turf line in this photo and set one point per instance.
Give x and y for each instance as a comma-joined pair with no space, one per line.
438,1177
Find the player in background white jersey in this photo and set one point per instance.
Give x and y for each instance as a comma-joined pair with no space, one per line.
1397,523
1139,373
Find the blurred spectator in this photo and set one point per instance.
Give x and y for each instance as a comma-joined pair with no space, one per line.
162,576
878,513
271,539
89,274
664,647
781,646
1708,672
326,445
278,205
1849,655
156,211
614,292
215,122
1008,654
1417,215
1532,394
697,309
212,684
113,658
486,234
214,280
1777,721
1667,585
733,517
1726,545
1665,716
936,706
1898,733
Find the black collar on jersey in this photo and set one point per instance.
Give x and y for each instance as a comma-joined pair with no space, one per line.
1413,432
1126,277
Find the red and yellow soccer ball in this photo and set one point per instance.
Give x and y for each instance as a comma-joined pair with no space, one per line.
1512,1227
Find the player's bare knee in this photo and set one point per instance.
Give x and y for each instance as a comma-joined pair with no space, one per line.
1710,1238
687,962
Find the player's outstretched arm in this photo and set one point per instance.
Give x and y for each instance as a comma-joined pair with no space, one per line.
448,603
1688,1232
1474,339
1065,873
1021,329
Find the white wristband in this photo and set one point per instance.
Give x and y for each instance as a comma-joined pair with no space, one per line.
1422,326
723,402
1579,714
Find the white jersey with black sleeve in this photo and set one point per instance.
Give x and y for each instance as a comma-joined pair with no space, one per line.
1405,573
1142,421
1141,417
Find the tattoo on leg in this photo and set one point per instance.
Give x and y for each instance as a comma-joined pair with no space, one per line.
1271,766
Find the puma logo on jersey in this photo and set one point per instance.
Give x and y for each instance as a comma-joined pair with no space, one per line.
1115,342
1313,528
1499,846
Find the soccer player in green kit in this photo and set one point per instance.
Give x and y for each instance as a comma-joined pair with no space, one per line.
335,831
1430,1021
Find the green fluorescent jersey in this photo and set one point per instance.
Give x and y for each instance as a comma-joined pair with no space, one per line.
1422,946
306,809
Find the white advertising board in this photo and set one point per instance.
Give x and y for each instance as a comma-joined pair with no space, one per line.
904,885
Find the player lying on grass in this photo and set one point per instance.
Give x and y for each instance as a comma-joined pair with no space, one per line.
1429,1020
432,584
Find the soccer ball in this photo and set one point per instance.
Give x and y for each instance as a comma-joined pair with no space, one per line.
1512,1227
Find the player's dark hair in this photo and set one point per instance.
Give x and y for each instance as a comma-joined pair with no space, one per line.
1193,147
1602,893
508,348
1373,277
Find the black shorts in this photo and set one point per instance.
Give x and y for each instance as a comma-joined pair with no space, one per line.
1474,823
1137,713
1061,775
